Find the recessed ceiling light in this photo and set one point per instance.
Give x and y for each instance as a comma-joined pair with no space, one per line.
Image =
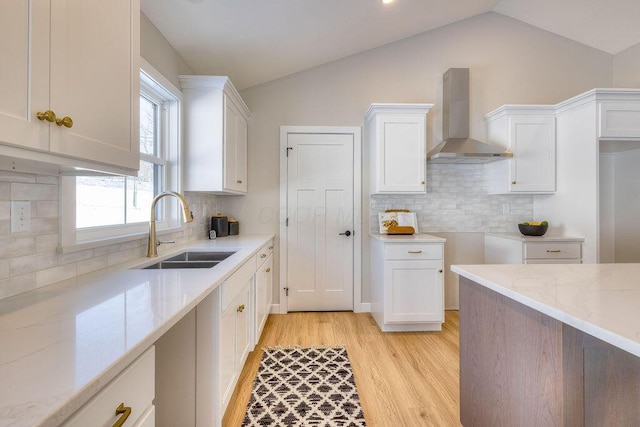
387,1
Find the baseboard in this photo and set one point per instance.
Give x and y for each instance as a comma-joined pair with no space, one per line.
365,307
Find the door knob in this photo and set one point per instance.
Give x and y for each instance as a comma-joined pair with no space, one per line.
66,122
48,115
346,233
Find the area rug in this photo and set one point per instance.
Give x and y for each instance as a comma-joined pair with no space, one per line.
304,387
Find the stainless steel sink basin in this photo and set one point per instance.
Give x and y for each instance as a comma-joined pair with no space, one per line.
191,259
163,265
191,256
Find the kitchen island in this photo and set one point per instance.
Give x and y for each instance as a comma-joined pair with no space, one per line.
61,344
555,344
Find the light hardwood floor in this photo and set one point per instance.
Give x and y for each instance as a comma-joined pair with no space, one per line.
404,379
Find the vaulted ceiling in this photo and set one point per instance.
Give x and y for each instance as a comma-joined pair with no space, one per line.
255,41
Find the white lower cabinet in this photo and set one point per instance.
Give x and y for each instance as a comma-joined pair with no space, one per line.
224,335
128,397
407,285
264,289
513,248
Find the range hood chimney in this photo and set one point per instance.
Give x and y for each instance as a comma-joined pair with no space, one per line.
456,146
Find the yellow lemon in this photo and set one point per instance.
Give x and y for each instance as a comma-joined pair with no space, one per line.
534,223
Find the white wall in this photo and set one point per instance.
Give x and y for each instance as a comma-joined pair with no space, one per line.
626,68
509,61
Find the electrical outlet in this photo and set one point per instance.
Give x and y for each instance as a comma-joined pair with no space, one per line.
20,216
505,208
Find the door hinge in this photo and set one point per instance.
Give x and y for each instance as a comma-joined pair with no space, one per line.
286,291
289,148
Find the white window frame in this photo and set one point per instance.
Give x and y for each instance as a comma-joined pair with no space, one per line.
156,87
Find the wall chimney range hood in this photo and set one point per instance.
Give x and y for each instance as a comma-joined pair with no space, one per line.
456,146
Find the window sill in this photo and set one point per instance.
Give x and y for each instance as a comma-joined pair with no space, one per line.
108,241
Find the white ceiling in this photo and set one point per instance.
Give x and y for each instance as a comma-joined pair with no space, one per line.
255,41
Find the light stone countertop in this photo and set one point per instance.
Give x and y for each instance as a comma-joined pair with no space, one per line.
62,343
545,238
602,300
408,238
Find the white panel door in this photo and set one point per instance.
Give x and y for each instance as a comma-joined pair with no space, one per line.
320,221
24,74
95,80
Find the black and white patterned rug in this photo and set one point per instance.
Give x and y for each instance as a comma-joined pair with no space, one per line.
304,387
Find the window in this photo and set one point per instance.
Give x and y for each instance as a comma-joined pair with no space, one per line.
116,206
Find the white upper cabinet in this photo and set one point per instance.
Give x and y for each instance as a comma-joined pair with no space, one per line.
215,120
529,132
73,64
396,138
619,119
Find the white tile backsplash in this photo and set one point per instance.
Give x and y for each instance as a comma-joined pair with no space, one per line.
31,259
457,201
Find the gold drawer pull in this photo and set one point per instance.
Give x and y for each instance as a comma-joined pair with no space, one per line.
270,247
414,252
263,256
65,121
238,181
48,115
124,412
553,251
240,309
268,270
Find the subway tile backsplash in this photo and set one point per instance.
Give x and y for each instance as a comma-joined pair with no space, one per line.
457,201
30,260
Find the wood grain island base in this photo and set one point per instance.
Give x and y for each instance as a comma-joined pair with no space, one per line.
521,367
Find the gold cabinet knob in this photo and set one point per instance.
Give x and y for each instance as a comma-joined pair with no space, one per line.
238,181
513,183
268,270
422,182
65,121
240,309
124,412
439,271
263,256
48,115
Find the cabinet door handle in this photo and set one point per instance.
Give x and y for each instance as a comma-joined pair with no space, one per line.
414,252
553,251
513,183
48,115
422,182
238,181
65,121
124,412
240,309
439,271
263,256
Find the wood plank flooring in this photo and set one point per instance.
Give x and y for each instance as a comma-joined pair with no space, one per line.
403,379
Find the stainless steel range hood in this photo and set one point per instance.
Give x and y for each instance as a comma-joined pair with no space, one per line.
456,146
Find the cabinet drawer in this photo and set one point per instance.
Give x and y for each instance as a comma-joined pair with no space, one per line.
134,387
551,250
413,251
238,280
553,261
265,251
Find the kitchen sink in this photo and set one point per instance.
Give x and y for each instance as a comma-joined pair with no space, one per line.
191,259
192,256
